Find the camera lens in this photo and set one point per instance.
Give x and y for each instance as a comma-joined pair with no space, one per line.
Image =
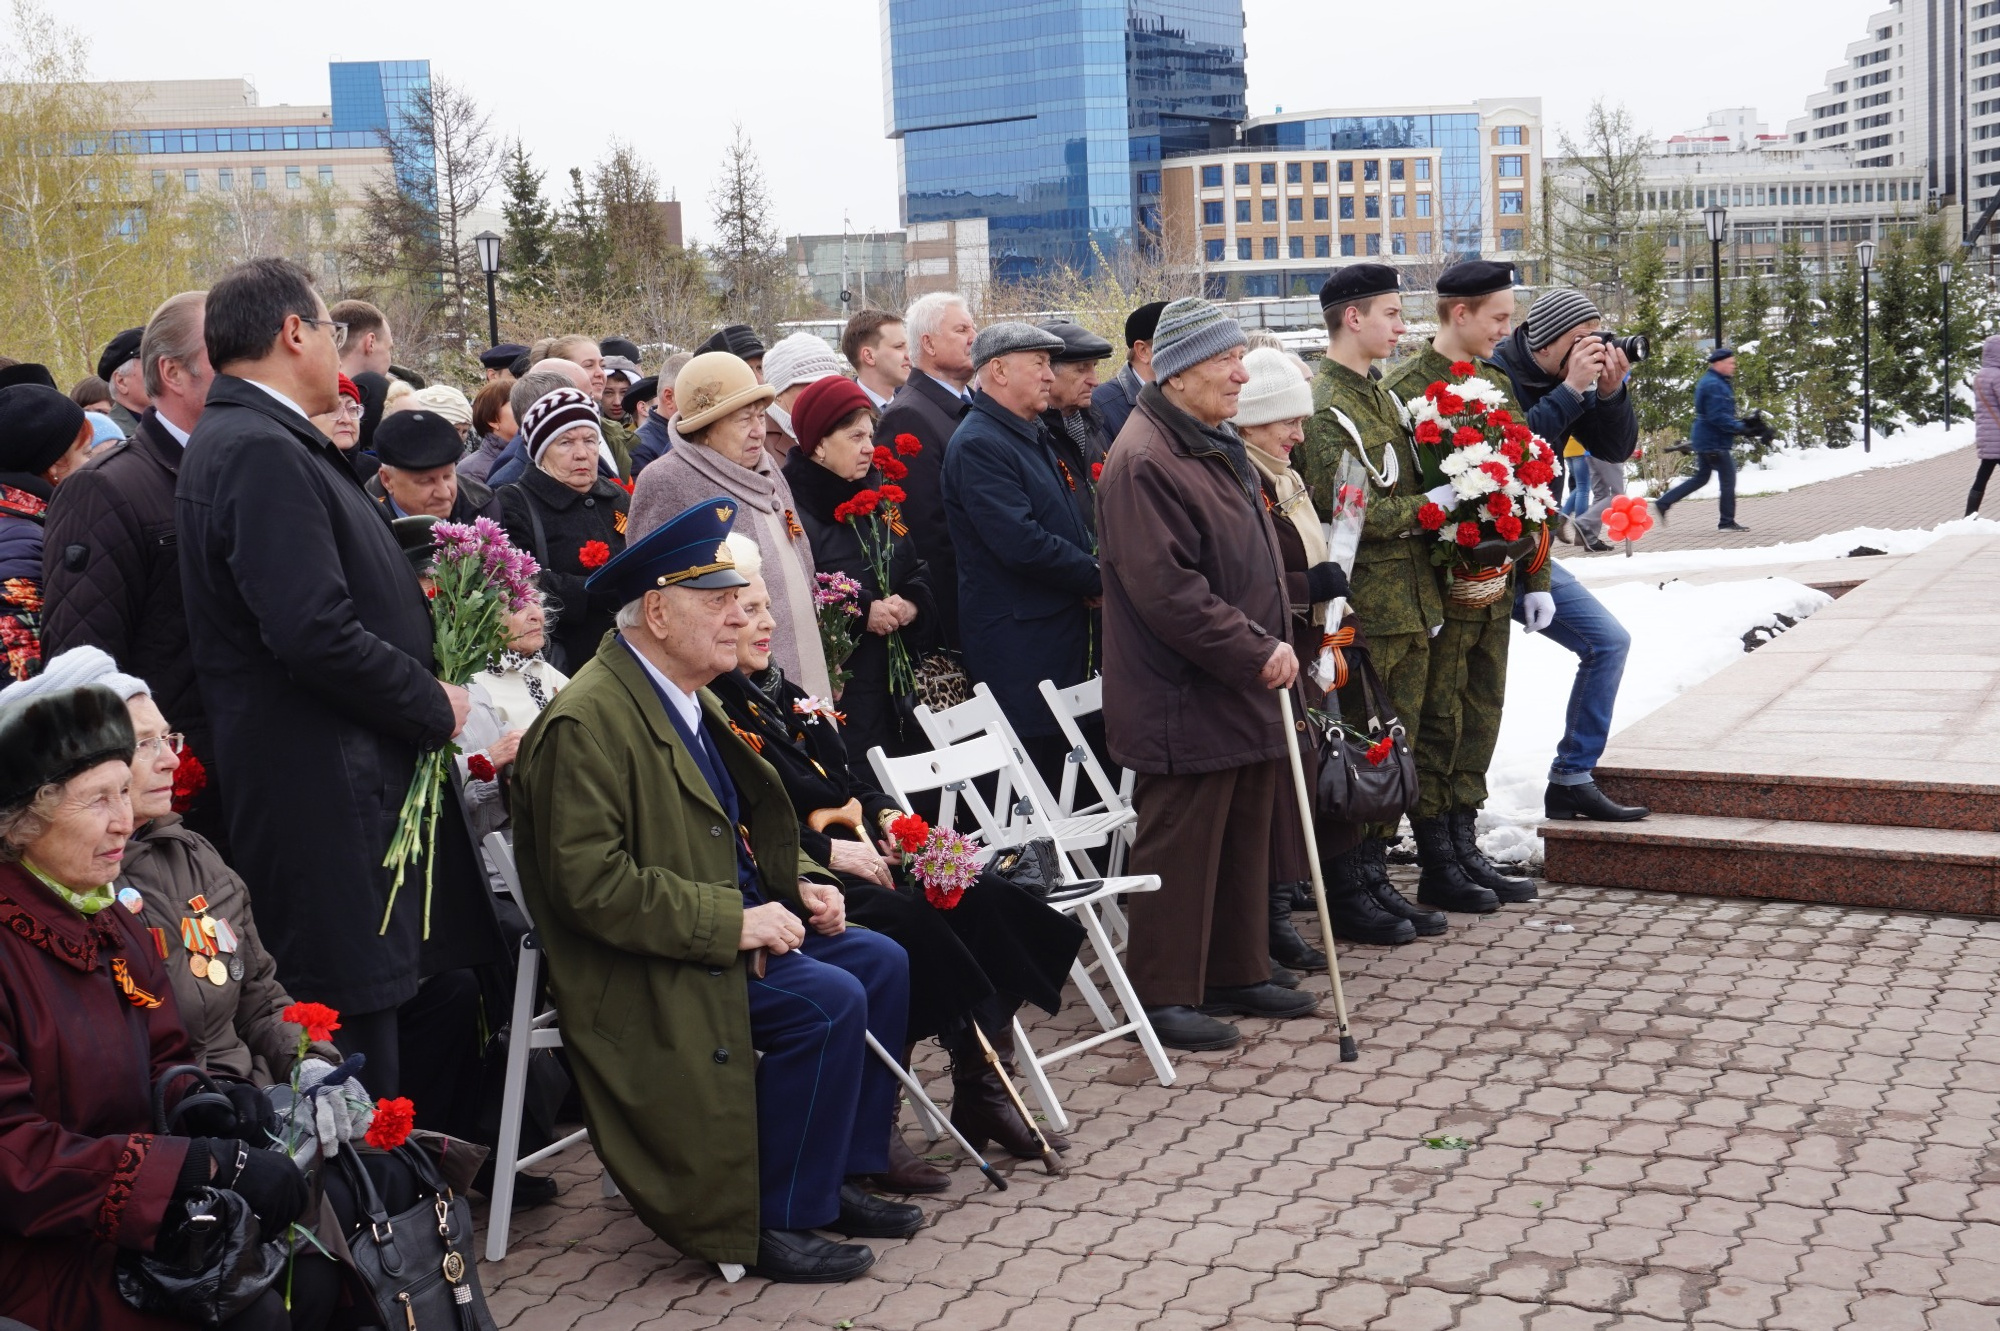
1636,347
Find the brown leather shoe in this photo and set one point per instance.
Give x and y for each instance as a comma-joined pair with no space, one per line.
909,1172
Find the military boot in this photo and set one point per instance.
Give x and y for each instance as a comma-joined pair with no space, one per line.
1443,884
1375,877
1356,916
1471,859
1287,948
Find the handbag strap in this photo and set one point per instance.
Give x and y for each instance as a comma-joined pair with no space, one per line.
1376,695
207,1094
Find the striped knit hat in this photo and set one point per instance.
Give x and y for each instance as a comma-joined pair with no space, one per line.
1556,313
1191,330
555,412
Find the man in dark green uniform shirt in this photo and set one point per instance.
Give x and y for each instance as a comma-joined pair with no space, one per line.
1467,682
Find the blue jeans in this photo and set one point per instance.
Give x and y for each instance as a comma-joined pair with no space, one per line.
1705,466
1576,499
1583,626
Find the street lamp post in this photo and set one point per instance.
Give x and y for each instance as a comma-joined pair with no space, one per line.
1865,252
1944,286
488,245
1717,219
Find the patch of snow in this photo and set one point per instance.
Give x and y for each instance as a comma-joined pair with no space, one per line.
1789,468
1836,545
1681,635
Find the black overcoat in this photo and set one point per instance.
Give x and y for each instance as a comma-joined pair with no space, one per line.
554,523
311,640
927,409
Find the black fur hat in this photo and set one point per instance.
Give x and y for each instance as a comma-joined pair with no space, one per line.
52,738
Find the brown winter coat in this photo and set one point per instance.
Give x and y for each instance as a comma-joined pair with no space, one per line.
1194,599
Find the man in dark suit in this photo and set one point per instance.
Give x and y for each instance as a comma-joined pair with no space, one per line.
930,406
311,639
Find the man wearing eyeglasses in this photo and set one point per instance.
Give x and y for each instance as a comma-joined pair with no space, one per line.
311,640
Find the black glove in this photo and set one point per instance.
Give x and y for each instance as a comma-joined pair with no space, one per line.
268,1180
256,1117
1325,581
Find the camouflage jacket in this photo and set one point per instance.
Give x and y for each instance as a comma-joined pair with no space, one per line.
1408,380
1394,587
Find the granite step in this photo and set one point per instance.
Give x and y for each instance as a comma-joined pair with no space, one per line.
1796,797
1851,864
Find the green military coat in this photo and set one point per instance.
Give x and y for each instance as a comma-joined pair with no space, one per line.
629,868
1394,587
1409,380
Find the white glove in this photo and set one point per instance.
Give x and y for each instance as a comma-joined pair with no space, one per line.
1443,496
325,1116
1539,610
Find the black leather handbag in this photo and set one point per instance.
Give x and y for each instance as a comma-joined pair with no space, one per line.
1353,786
419,1266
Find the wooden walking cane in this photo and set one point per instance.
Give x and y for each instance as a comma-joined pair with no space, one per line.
1050,1161
1349,1052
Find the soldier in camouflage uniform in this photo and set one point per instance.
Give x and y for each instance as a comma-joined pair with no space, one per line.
1468,660
1393,590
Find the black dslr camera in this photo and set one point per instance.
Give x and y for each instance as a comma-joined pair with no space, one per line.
1636,347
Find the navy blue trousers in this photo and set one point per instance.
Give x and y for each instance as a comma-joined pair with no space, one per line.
824,1103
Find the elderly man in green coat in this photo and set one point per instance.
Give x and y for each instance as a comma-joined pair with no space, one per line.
661,863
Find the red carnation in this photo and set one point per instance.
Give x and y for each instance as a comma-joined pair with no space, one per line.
1435,391
1451,404
595,554
1518,434
1509,527
1464,369
893,470
1497,471
1468,435
1512,452
480,768
1499,505
1475,408
1429,432
1468,533
907,445
865,501
1501,416
1431,517
626,486
393,1121
893,494
842,512
1536,472
190,779
1379,751
910,832
319,1020
1096,471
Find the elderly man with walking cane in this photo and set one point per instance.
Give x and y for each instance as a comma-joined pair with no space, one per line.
1195,613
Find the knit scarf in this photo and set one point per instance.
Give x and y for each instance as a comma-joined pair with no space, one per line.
1295,504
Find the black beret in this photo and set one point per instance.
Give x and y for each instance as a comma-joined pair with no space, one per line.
37,426
409,376
1142,323
620,346
117,351
502,356
1476,277
27,372
644,391
1079,343
1359,281
417,441
52,738
738,340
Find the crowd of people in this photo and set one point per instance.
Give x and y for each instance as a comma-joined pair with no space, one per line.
216,621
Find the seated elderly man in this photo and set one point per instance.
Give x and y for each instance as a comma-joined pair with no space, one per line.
661,863
420,452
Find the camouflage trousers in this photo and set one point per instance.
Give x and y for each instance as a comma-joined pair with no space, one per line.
1463,696
1403,662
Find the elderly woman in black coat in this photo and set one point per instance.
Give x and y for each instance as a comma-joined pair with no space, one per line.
977,961
571,518
835,460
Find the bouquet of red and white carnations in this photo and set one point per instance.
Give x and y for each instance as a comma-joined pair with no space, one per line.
1499,471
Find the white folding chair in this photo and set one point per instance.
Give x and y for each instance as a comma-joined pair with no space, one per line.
1069,706
952,772
530,1031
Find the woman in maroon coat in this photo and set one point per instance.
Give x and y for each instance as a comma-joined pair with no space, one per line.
86,1023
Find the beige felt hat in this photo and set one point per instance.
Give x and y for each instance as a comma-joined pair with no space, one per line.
714,384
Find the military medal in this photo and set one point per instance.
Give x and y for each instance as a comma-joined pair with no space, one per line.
235,967
225,937
199,965
129,898
218,974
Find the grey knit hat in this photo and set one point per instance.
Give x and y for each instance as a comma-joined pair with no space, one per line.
1192,330
1556,313
1006,338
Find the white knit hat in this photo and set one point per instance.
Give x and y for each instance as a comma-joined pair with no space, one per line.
447,402
1276,391
801,358
72,670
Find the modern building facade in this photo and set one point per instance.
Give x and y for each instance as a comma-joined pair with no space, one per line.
1298,195
1050,120
867,265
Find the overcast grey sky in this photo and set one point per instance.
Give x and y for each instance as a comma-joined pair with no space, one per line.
805,76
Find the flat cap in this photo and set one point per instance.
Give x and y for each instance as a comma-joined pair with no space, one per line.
1140,323
739,340
619,346
1720,353
1079,343
49,739
1004,339
1476,277
417,440
37,426
117,351
1359,281
690,549
503,356
624,367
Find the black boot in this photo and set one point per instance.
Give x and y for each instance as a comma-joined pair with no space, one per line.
1443,883
980,1105
1465,846
1356,917
1287,948
1974,500
1587,801
1375,877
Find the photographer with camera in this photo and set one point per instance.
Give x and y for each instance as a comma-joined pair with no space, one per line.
1569,378
1714,435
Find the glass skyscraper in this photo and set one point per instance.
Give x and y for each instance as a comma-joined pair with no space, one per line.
1049,117
382,98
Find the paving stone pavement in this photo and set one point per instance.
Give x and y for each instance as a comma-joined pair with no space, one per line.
1689,1111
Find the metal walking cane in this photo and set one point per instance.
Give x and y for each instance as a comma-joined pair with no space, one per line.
911,1085
1349,1052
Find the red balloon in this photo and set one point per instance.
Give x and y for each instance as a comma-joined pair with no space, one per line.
1616,525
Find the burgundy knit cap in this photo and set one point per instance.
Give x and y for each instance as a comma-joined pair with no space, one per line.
824,404
555,413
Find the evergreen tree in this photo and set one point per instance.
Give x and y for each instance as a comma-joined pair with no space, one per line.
1746,324
583,250
1904,322
528,262
1830,387
1662,385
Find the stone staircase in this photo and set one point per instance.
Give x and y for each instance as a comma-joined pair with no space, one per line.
1856,759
